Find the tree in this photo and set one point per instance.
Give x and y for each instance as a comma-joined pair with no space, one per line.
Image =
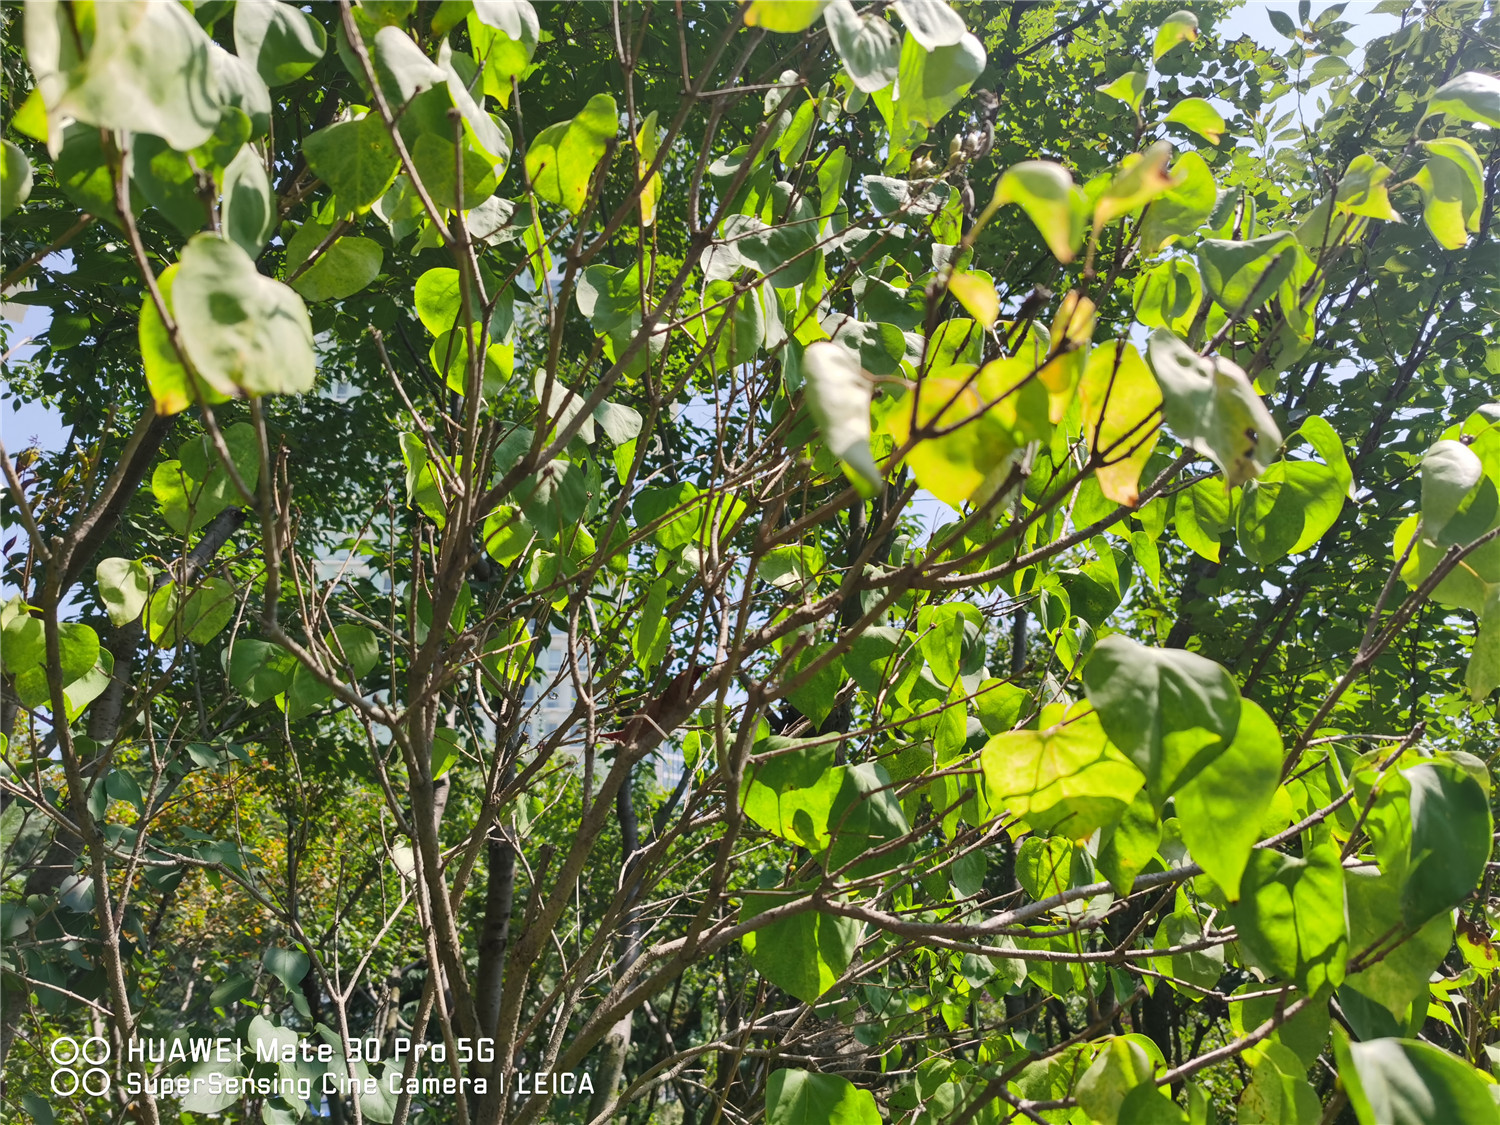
996,503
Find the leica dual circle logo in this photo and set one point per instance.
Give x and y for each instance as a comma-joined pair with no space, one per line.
80,1066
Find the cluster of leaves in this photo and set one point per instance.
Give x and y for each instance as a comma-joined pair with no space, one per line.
1070,708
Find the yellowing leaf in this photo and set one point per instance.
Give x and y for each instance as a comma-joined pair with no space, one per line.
1452,183
1072,330
562,159
1177,28
1143,177
646,142
1067,778
976,292
784,15
1120,399
1362,190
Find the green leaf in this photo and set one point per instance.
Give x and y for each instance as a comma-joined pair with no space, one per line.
1294,503
305,695
1199,970
357,159
867,44
1451,828
447,748
147,70
1404,1082
1278,1092
1450,471
83,172
194,488
652,631
1221,810
22,642
1242,276
933,82
288,966
787,16
1172,712
504,37
15,178
554,498
1471,96
1452,183
403,69
561,160
798,1097
1210,405
816,695
346,267
1116,1070
173,388
354,648
932,23
1179,27
1168,294
1290,915
1045,191
79,655
1066,778
803,955
1182,209
249,210
1403,960
124,585
791,790
1148,1104
165,177
260,670
863,817
1202,514
282,41
242,331
838,393
1129,88
506,534
170,619
1128,845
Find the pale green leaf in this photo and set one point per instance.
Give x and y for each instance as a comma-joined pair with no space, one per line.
867,44
242,331
1471,96
1170,711
280,40
1210,405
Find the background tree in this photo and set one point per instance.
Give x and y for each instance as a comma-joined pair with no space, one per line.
596,538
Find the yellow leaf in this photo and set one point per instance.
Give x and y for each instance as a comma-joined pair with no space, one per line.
645,146
1143,176
1120,401
784,15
